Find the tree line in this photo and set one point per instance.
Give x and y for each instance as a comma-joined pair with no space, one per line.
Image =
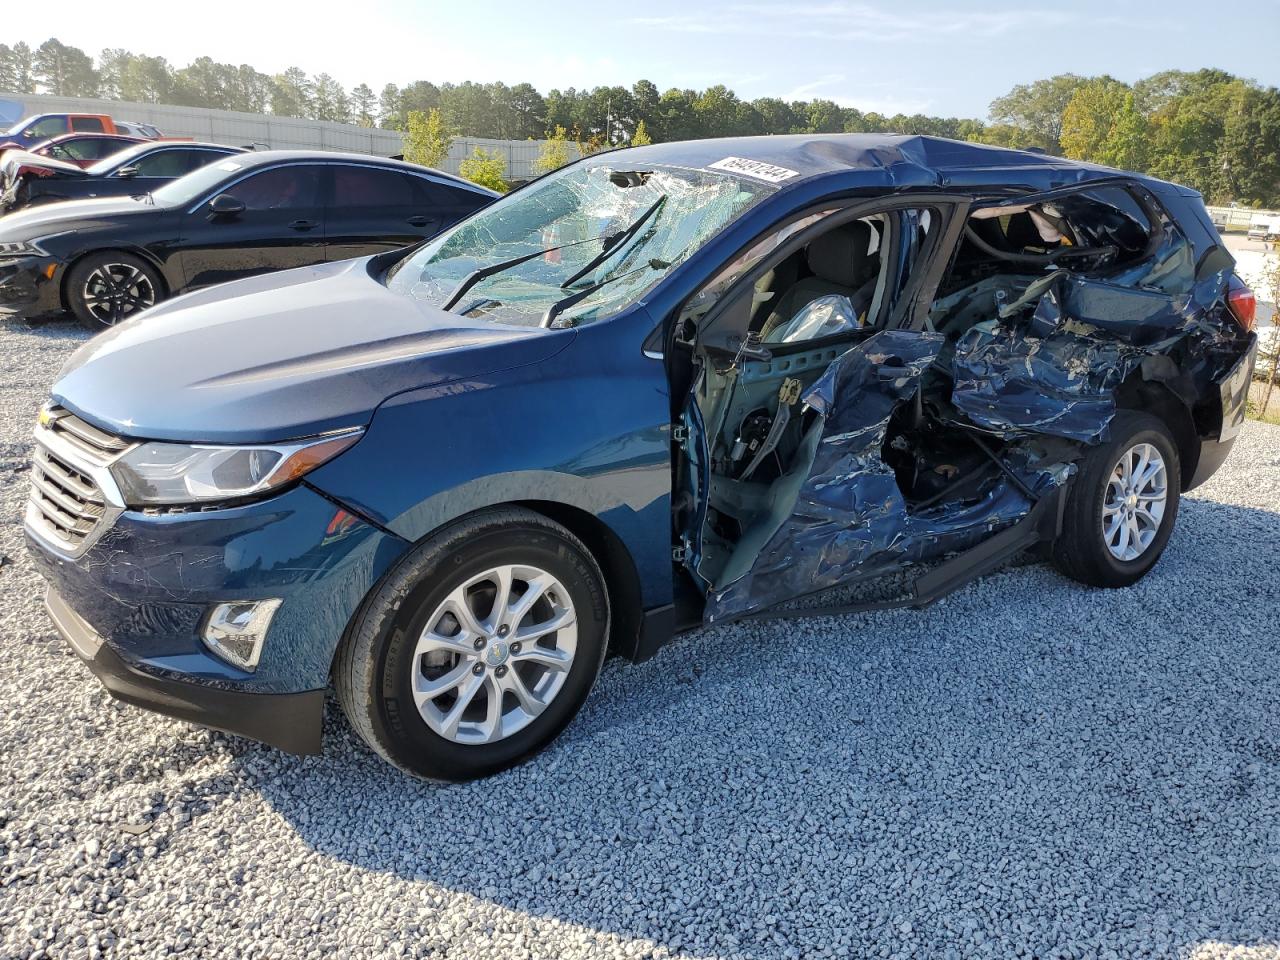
1208,128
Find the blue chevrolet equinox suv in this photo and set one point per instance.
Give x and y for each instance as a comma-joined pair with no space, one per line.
661,387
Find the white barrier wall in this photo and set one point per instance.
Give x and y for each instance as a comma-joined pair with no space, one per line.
280,133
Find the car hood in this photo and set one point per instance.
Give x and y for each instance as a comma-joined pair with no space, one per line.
281,356
21,158
66,216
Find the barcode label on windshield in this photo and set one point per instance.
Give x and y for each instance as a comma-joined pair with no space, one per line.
754,168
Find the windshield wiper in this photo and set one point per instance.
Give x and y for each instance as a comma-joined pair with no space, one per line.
560,306
615,242
483,273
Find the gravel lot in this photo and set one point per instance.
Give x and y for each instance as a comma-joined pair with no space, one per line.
1031,768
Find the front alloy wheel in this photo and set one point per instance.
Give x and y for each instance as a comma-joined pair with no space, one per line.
494,654
478,648
105,289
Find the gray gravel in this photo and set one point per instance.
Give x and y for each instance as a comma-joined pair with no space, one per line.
1031,768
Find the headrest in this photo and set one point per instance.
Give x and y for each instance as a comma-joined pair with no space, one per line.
840,256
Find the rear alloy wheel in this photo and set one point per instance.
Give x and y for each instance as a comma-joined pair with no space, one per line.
478,648
1122,505
106,289
1133,505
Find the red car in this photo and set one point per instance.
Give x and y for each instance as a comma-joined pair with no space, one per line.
82,149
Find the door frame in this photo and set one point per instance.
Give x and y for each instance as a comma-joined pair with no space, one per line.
952,207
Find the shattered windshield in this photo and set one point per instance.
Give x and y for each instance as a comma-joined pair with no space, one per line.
578,245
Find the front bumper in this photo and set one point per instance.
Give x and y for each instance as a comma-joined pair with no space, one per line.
288,721
134,602
29,287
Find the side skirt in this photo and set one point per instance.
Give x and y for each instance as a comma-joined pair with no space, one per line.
1041,525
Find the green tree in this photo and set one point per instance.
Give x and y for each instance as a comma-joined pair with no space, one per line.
641,137
7,80
65,71
717,110
1036,109
1249,151
679,119
1157,91
113,62
644,99
363,105
291,93
391,108
148,80
204,83
1089,116
1187,133
428,138
529,112
24,68
1127,142
488,168
329,100
468,108
420,95
824,116
562,109
248,90
776,116
554,153
16,66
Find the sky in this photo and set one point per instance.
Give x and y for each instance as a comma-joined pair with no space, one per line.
926,56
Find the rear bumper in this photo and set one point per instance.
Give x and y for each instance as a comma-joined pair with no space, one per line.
288,721
1233,399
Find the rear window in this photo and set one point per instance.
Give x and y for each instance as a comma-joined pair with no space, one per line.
365,187
87,125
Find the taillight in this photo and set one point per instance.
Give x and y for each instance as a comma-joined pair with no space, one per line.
1242,302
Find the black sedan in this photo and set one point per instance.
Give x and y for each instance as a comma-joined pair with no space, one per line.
27,180
108,258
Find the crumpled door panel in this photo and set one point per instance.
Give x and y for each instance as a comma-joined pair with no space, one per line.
848,511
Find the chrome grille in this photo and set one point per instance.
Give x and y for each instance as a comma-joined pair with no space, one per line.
96,444
68,507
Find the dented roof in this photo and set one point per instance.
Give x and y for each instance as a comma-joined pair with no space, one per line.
876,159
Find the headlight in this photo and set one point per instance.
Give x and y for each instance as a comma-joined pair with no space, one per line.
20,248
155,474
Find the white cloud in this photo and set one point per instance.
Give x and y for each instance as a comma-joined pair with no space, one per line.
837,20
806,90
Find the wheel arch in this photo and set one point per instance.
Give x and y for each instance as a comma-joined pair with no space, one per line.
1154,397
140,252
622,579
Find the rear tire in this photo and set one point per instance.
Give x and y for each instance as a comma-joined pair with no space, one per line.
1122,505
107,288
433,632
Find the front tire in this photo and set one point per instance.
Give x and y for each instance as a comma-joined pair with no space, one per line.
1122,505
107,288
478,649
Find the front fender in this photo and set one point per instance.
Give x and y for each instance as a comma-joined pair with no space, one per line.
588,428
